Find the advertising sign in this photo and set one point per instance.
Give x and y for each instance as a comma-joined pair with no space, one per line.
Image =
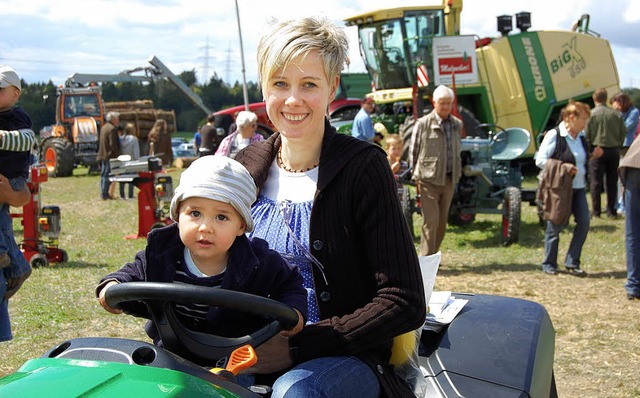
455,55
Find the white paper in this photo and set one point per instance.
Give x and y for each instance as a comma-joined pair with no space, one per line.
429,268
444,307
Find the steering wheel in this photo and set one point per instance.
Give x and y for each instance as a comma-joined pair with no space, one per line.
492,131
394,54
198,347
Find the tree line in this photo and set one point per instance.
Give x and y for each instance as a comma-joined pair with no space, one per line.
216,95
39,99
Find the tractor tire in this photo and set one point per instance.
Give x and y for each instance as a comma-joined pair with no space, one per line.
38,260
59,156
511,216
405,130
65,256
408,207
457,217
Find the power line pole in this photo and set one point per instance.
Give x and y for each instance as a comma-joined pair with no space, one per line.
205,67
227,68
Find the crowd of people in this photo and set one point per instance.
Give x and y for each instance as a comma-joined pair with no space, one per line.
259,215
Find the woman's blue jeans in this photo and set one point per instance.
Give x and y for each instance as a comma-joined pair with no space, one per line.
328,377
580,211
632,229
5,325
104,179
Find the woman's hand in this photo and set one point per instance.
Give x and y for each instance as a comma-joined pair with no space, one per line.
273,355
13,198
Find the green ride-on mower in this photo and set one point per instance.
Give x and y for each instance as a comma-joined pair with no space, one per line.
495,347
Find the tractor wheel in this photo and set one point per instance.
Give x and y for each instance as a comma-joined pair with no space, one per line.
59,157
408,206
457,217
64,255
406,130
38,260
511,216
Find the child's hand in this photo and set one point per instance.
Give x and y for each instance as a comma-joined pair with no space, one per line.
296,329
103,301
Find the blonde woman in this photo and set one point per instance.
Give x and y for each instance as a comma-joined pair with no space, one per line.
328,203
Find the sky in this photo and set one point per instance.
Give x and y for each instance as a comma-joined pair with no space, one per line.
49,40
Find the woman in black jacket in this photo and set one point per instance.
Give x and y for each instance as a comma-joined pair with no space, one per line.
328,202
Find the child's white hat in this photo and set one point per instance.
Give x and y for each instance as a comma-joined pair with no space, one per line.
219,178
9,77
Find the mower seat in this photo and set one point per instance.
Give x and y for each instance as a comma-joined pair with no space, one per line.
498,347
510,143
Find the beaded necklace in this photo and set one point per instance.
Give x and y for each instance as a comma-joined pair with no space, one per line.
290,170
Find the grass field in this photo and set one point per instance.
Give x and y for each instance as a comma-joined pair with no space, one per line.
597,328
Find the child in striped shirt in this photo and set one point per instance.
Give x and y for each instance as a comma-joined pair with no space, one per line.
16,140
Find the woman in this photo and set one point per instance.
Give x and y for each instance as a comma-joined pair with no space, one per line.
246,122
567,145
329,203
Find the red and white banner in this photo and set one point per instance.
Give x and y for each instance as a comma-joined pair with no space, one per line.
423,76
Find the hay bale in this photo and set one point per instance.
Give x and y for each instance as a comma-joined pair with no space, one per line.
124,105
142,115
184,162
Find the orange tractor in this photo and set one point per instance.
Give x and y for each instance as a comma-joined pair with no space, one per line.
73,140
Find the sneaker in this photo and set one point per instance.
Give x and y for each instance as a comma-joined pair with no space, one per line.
576,272
5,261
633,296
549,271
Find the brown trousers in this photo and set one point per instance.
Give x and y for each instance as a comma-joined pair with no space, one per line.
435,201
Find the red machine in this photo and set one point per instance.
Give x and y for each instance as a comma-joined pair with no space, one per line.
156,190
41,225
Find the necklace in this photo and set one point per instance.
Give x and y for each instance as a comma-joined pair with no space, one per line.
290,170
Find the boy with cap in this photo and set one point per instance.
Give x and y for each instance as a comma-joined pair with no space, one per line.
16,141
208,247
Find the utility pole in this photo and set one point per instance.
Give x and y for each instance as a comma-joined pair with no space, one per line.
244,78
227,68
205,68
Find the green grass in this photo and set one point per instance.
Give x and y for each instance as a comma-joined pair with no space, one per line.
597,328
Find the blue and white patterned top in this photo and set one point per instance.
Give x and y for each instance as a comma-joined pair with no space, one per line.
269,214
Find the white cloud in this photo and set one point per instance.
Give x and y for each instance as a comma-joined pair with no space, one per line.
50,41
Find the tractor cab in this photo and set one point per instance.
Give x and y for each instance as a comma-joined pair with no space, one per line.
80,104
